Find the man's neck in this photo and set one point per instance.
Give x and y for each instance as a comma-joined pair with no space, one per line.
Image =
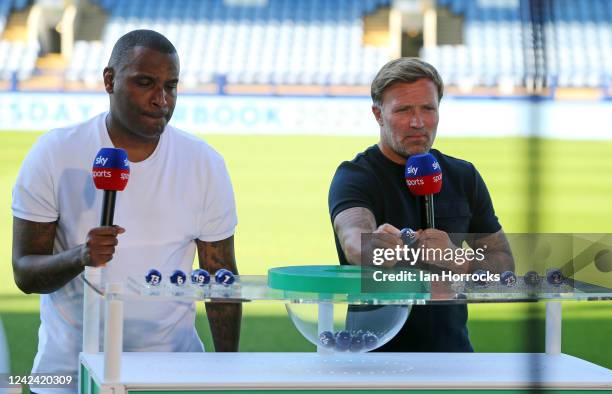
138,149
391,155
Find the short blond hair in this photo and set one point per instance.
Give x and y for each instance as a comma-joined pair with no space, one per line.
404,69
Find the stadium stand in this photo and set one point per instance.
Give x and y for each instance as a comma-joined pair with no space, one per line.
501,44
309,42
564,43
18,54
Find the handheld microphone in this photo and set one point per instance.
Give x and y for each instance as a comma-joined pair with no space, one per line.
110,172
424,178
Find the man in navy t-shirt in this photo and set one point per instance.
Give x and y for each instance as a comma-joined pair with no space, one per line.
369,195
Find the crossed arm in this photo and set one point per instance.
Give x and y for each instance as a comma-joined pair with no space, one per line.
223,317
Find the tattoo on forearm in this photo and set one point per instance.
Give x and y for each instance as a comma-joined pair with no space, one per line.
33,237
35,267
224,318
216,255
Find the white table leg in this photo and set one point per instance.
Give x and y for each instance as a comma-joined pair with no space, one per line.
91,311
113,333
553,327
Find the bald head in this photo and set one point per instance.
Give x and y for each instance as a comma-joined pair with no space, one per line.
138,38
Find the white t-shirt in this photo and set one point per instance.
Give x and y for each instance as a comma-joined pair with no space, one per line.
182,192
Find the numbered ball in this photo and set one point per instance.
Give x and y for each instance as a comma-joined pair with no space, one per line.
327,340
153,277
555,277
370,340
357,343
224,277
200,277
343,341
408,236
178,278
508,279
532,279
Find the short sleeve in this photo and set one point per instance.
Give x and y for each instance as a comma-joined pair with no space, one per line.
352,186
484,219
34,190
218,219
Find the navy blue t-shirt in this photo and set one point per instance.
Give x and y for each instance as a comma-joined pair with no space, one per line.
463,205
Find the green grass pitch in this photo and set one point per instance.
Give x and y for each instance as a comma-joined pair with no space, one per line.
281,185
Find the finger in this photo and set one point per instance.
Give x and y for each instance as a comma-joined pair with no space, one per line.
103,257
98,264
120,230
384,245
434,236
106,240
102,251
426,243
388,228
429,233
388,240
106,230
110,250
432,242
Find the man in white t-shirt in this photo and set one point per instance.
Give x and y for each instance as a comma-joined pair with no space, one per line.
179,199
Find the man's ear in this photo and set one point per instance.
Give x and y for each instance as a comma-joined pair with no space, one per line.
377,114
108,76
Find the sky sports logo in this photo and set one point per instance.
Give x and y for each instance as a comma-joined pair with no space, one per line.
412,170
111,169
102,161
420,181
109,174
415,182
101,174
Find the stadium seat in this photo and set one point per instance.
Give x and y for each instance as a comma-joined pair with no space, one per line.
565,42
285,42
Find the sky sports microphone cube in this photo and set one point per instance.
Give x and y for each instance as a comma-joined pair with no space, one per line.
423,174
111,169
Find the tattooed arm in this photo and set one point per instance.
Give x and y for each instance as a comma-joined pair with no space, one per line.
224,318
37,270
